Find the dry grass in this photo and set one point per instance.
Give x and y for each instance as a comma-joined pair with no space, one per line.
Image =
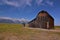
57,27
18,32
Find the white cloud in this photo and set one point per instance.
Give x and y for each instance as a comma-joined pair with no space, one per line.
12,3
45,2
39,2
18,3
28,2
22,3
50,3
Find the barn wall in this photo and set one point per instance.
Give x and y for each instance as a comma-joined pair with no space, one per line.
42,18
51,23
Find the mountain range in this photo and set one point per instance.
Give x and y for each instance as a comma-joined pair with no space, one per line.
13,20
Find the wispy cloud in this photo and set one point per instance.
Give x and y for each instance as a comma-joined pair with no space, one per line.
18,3
11,3
21,3
50,3
45,2
29,2
39,2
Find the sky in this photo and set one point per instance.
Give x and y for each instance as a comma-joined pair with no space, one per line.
28,9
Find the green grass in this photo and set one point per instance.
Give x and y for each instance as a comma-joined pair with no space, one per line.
9,27
18,28
23,33
57,27
15,28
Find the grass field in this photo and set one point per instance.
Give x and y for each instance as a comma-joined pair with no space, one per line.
18,32
57,27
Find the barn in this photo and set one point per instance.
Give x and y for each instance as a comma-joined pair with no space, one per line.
42,20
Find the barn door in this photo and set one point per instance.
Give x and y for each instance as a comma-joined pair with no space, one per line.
47,25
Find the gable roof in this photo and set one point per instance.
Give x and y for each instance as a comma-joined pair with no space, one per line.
46,13
32,20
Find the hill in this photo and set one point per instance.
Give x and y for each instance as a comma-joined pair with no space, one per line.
18,32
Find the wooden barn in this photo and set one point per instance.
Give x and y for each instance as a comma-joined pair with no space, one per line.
43,20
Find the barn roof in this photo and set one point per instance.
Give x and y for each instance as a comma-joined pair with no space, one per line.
46,13
32,20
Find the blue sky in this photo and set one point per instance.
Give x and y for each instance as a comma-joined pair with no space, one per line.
28,9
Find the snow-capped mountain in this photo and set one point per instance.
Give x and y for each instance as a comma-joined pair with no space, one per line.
12,20
22,20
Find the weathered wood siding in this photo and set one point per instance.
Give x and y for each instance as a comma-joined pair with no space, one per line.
43,20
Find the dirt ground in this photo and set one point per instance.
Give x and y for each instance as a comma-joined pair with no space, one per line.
43,35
